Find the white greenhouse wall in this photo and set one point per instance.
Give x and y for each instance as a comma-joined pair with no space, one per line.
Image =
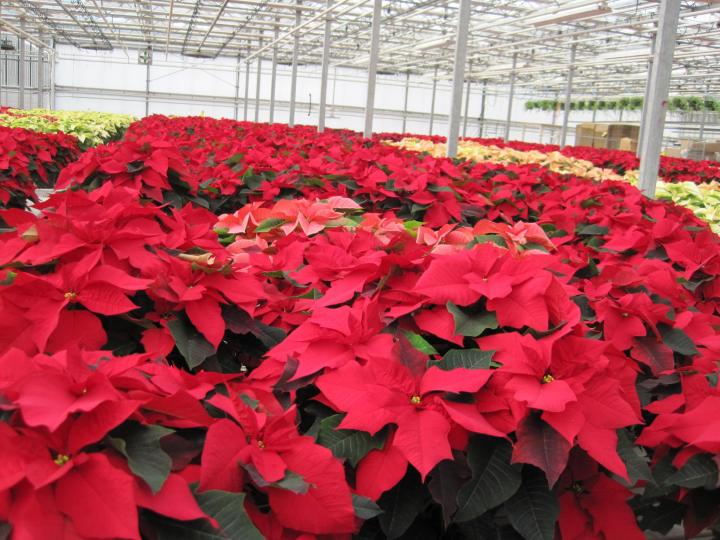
114,81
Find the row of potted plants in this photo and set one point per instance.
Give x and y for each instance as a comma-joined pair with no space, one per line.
672,169
89,128
634,103
703,199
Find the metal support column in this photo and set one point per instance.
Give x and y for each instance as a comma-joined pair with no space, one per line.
482,109
643,113
463,24
405,102
41,76
273,75
510,98
432,102
3,72
568,95
293,78
703,118
52,60
325,69
467,102
21,69
594,111
257,82
147,89
236,103
247,89
372,67
657,97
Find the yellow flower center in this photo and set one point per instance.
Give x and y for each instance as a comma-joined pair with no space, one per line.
625,314
61,459
416,400
548,378
261,444
70,295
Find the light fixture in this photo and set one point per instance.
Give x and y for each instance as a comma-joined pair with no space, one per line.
574,15
6,45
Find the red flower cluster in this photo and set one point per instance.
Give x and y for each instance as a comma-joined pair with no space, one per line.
251,330
29,160
672,169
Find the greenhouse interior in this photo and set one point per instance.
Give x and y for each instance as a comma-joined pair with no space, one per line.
359,269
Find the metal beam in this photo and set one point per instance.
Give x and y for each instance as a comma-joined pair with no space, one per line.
482,109
568,96
657,98
273,73
298,26
19,32
293,76
703,119
21,69
372,67
463,23
405,102
510,98
467,102
257,85
247,91
236,104
643,114
147,88
325,69
432,102
53,60
40,76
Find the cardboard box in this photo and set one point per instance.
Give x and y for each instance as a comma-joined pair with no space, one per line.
617,132
675,152
584,134
706,147
626,143
599,136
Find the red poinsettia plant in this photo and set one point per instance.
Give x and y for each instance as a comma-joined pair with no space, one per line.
30,160
217,329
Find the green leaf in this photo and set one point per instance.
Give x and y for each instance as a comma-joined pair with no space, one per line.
145,457
699,472
445,481
634,458
412,226
494,479
472,325
365,508
402,504
290,482
659,515
239,322
593,230
229,511
420,343
347,443
534,509
269,224
464,358
677,340
192,345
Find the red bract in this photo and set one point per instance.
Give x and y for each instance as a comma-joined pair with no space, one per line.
388,392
